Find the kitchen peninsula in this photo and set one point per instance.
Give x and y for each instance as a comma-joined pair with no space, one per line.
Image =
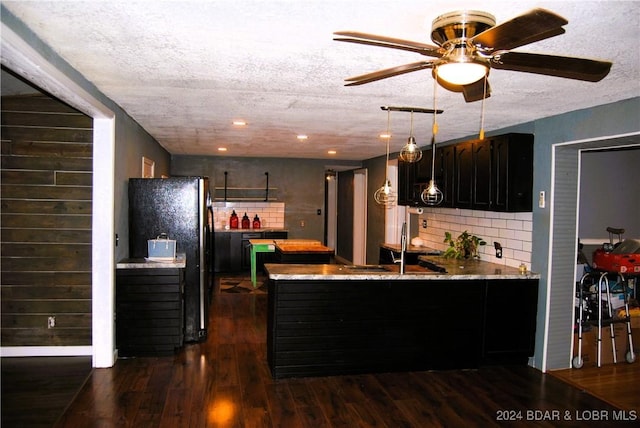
330,319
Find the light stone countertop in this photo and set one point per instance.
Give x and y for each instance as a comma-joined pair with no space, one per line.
179,262
251,230
411,249
456,270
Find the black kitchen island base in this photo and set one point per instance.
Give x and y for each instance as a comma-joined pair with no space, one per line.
334,327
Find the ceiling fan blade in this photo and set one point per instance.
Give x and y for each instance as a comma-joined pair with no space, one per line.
560,66
387,42
535,25
388,72
476,91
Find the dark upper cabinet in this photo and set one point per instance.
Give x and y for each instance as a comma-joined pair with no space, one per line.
445,174
493,174
482,175
463,169
512,160
406,180
411,180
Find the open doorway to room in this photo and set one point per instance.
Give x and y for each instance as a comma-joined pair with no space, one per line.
346,214
565,215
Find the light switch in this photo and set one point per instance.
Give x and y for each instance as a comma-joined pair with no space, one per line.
541,199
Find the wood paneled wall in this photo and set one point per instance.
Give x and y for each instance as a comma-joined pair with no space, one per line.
45,236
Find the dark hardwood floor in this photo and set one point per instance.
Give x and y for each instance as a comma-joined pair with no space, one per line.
225,382
36,391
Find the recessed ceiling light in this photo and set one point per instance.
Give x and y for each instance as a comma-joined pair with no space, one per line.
239,123
222,149
385,136
332,152
302,137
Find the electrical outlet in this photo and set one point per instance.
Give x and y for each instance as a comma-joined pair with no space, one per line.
424,223
51,322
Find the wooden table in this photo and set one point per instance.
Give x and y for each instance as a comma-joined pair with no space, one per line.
292,251
295,250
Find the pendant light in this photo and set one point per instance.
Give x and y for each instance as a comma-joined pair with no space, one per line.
411,152
385,194
432,195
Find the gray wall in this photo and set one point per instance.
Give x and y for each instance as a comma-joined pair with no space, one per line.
610,193
299,183
132,143
131,140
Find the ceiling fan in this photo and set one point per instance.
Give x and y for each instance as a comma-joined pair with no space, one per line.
469,44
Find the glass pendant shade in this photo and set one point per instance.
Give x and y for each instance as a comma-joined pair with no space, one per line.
385,195
411,152
431,195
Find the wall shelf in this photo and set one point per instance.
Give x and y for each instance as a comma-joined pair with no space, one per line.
227,193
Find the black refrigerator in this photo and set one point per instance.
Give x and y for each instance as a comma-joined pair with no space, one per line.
179,207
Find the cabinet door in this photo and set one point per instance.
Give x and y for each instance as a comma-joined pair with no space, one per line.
445,173
463,175
482,182
423,168
227,252
407,186
221,251
235,252
512,160
245,254
510,320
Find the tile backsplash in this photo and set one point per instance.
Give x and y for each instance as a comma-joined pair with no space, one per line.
271,213
512,230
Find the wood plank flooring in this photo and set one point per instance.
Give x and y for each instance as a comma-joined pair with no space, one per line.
36,391
225,382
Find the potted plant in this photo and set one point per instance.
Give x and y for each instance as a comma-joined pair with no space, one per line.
465,246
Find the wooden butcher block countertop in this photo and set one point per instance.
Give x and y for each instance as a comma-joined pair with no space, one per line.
292,246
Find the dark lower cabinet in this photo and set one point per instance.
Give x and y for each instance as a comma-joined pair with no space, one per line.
322,328
149,311
245,252
232,252
509,321
227,251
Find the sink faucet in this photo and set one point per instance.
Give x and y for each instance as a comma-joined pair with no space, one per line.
403,248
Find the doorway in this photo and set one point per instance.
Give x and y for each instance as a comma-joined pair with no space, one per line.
563,240
350,215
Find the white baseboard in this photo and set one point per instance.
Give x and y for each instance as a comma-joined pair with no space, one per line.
45,351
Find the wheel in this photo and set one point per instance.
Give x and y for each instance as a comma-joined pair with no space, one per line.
577,362
630,357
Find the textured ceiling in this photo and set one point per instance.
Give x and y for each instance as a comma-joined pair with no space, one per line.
186,70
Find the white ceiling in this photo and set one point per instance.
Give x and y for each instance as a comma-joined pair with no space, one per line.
186,69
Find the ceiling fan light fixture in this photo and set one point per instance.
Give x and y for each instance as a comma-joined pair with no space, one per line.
462,72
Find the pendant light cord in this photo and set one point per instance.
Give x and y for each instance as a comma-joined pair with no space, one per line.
434,131
484,97
386,165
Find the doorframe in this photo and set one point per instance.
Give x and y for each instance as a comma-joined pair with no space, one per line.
360,178
562,253
32,65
